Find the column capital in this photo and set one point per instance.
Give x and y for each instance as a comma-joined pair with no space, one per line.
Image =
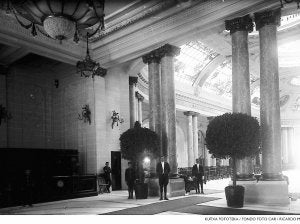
244,23
267,18
190,113
156,55
169,50
152,57
132,80
139,96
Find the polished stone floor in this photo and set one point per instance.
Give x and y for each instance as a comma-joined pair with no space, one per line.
117,200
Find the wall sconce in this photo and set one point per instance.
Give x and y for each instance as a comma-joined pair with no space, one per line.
85,114
4,114
116,119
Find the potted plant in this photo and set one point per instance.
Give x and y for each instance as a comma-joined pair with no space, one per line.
136,143
234,135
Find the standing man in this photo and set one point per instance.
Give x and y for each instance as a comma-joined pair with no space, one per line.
130,178
163,170
107,173
198,173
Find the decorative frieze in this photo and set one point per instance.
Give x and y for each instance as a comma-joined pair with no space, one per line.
267,18
147,12
244,23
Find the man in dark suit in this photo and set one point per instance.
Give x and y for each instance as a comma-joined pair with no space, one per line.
107,173
198,173
163,170
130,178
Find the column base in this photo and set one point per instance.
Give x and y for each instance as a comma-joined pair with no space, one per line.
153,187
265,192
245,177
176,187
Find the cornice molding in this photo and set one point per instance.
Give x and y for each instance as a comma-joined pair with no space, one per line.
169,26
147,11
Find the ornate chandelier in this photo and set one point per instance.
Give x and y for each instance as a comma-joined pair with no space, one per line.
60,19
88,67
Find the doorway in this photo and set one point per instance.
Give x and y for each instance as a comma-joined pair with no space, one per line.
116,170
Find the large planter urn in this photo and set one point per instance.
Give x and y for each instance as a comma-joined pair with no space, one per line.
141,190
235,196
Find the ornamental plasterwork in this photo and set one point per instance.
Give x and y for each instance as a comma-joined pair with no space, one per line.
142,15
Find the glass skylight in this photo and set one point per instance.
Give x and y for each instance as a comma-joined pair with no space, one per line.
194,56
220,82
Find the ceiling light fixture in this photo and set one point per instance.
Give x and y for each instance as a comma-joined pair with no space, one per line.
88,67
61,20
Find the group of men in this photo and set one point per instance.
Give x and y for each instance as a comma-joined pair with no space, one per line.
163,171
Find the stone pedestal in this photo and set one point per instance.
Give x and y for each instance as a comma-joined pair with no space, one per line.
153,187
176,187
265,192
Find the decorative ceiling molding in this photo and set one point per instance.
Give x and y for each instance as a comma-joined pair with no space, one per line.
205,73
171,25
149,8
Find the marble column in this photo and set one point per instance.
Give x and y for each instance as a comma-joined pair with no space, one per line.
168,52
152,59
132,100
241,100
195,136
140,100
190,139
266,24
